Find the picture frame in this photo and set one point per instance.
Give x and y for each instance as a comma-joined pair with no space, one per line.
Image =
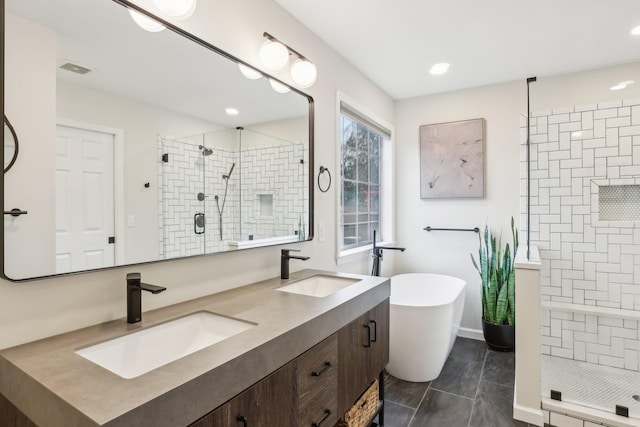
452,159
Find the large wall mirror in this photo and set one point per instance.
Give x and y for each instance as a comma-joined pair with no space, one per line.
140,146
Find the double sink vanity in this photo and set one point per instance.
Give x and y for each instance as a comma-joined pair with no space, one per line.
277,352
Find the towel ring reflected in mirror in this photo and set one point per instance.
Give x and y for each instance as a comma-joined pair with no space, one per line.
10,145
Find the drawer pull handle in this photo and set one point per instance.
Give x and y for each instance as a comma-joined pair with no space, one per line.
327,413
242,419
327,365
368,344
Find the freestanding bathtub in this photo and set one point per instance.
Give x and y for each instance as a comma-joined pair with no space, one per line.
424,320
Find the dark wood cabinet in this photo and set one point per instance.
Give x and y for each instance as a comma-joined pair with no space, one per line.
270,402
319,386
379,350
363,352
317,373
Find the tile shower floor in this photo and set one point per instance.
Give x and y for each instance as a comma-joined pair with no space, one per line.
474,389
596,386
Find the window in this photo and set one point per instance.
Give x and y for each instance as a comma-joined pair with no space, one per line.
361,209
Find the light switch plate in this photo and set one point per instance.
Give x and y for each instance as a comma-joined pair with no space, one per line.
321,232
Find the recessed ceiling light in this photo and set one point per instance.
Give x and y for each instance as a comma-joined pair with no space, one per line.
232,111
439,68
621,85
636,31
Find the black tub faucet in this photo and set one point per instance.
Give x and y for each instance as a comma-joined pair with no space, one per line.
377,255
134,296
284,261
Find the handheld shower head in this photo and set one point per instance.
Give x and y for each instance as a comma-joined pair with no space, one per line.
233,165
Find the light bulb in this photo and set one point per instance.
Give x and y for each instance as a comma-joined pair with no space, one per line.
249,72
231,111
304,73
145,22
278,87
181,9
274,55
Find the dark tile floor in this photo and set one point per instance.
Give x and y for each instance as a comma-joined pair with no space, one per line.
474,389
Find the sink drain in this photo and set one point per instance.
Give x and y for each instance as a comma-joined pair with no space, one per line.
636,397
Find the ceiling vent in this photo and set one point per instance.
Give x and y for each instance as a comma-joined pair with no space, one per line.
75,68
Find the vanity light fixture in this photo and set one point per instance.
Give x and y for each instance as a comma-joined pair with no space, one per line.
145,22
176,9
304,73
232,111
179,9
278,87
635,31
622,85
439,68
249,72
275,55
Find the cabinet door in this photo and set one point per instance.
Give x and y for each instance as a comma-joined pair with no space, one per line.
379,351
353,354
269,403
216,418
363,352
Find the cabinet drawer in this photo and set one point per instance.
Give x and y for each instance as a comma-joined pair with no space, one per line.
317,372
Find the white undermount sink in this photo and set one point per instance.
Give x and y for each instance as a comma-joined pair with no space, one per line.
132,355
318,286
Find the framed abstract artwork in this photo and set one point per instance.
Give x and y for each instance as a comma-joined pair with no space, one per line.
452,160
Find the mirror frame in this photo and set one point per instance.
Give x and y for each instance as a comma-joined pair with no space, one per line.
194,39
15,141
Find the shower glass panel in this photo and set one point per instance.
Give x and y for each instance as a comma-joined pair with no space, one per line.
230,186
583,152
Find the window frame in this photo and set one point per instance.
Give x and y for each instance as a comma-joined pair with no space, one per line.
355,111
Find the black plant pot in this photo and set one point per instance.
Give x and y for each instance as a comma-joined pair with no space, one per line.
499,337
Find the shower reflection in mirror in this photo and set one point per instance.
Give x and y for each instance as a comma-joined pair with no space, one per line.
224,174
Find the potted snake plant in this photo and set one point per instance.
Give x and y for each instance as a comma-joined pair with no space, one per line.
496,269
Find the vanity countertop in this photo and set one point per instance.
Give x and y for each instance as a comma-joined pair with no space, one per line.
54,386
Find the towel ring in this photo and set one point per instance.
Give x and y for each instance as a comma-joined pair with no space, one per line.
323,170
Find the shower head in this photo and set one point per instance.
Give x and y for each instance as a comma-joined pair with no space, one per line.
205,151
233,165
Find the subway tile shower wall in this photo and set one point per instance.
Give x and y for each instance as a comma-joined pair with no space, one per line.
581,158
266,196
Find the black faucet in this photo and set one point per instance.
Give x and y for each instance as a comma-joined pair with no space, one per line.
134,296
377,255
284,261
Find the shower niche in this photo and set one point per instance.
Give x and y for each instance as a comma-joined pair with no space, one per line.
250,186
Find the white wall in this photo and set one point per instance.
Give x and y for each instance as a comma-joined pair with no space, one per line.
30,107
502,106
42,308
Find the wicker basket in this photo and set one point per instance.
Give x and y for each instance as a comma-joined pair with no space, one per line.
361,413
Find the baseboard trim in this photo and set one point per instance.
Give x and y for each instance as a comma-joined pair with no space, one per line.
474,334
528,415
